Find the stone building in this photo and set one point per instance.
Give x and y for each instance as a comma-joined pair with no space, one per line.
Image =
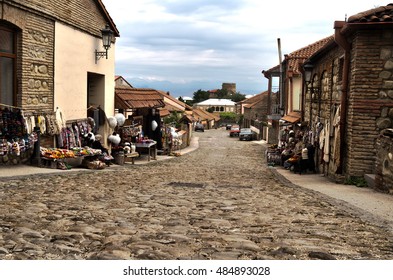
255,112
48,57
349,100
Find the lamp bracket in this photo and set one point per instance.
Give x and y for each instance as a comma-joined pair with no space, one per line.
101,54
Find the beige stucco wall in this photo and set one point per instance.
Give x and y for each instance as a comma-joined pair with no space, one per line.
297,90
74,58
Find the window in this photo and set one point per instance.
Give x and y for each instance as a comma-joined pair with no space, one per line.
7,65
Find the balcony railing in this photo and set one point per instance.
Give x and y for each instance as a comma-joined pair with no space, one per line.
275,109
275,112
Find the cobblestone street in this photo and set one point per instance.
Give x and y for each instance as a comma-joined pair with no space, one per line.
218,202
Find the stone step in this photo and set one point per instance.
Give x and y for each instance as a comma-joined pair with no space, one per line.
370,179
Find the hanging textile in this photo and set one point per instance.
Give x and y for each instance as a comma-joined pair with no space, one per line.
326,147
337,141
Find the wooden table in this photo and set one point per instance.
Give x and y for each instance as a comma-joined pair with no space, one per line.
150,146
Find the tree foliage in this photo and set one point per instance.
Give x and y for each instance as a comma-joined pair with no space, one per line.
200,95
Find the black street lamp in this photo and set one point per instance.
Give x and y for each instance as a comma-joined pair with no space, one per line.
107,35
307,72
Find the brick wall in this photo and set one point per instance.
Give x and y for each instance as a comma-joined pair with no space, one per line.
83,14
371,82
36,22
370,98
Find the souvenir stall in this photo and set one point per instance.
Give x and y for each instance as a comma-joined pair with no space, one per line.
17,136
172,139
75,143
132,138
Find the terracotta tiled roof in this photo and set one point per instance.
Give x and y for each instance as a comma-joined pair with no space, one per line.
164,112
176,105
256,98
134,98
271,71
109,18
296,59
204,115
380,14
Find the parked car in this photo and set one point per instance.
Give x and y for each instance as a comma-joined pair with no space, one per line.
246,134
228,126
235,130
199,127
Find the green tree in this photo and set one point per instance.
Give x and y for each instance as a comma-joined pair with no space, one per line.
200,95
228,117
210,109
222,94
237,97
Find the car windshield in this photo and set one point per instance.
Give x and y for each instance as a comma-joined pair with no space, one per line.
235,127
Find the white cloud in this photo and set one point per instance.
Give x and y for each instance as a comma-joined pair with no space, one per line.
194,44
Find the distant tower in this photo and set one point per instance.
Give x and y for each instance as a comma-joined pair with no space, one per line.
230,87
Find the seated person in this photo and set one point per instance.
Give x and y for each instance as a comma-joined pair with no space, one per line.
105,157
286,154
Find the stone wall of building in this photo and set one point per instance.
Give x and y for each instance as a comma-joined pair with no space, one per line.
370,98
230,87
35,59
84,15
384,163
35,20
322,102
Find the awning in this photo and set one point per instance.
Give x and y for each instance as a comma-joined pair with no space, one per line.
164,112
292,117
137,98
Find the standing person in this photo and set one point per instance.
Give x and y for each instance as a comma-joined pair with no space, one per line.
304,161
311,154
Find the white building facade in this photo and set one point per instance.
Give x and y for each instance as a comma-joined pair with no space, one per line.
216,105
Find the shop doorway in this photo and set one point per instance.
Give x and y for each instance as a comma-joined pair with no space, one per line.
95,90
95,98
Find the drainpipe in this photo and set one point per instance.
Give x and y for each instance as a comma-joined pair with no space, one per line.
345,45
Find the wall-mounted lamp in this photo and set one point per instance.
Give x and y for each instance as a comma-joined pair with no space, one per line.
307,72
314,91
107,35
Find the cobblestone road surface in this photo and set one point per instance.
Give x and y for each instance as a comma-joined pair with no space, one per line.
218,202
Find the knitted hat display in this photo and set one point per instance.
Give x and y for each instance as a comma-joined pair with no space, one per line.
91,122
120,119
114,139
112,122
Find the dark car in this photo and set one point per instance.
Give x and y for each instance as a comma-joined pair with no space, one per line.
228,126
246,134
235,130
199,127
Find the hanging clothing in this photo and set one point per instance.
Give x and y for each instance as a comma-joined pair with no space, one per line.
337,140
326,147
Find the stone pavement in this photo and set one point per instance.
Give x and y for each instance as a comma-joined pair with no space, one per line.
221,201
374,203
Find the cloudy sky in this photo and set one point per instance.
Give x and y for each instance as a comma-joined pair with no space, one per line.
181,46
